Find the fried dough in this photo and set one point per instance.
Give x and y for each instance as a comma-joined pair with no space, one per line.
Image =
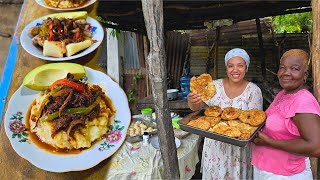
230,113
224,129
254,117
213,120
199,123
203,85
213,111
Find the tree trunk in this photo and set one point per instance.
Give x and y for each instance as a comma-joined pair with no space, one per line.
153,16
315,56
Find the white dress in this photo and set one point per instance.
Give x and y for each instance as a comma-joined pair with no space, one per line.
222,160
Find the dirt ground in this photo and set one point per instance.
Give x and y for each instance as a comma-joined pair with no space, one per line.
9,14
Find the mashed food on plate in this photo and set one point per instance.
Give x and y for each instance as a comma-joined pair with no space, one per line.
71,114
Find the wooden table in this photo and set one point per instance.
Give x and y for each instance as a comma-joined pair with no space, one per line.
12,166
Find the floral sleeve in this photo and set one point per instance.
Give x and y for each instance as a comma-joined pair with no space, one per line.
255,100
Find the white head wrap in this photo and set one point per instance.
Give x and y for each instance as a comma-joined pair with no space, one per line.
237,52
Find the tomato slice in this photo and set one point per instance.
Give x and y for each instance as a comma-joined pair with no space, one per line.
66,82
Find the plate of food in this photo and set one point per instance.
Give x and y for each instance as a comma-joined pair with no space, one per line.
71,125
62,36
65,5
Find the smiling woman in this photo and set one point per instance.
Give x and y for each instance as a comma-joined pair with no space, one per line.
292,126
232,91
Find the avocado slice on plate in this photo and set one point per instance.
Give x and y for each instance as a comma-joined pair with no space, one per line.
43,76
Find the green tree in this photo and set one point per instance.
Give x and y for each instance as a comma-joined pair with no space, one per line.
293,23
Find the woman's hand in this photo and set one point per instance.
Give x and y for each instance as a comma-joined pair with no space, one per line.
194,101
262,139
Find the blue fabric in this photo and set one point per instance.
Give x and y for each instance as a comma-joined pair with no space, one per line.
7,74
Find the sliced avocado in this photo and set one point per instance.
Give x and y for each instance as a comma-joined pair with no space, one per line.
43,76
68,15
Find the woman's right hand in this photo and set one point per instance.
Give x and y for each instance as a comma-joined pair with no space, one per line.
194,101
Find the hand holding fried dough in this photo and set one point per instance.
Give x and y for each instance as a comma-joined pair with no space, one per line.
203,85
194,101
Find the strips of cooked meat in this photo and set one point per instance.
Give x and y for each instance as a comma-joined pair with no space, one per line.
73,124
65,103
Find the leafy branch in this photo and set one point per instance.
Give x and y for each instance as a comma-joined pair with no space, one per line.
293,23
115,33
132,92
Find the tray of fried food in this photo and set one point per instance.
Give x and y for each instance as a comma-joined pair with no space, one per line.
137,128
230,125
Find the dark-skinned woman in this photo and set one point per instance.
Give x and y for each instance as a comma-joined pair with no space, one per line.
292,130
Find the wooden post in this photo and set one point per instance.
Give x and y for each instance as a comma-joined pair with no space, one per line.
153,16
262,54
215,58
315,57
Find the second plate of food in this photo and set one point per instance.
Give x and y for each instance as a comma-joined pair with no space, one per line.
65,5
58,40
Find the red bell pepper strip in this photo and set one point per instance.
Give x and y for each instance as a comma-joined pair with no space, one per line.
68,83
50,26
51,35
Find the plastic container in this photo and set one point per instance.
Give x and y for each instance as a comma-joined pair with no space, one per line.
175,124
172,94
185,86
145,138
147,114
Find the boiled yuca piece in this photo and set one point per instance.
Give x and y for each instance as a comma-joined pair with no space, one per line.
53,48
73,48
68,15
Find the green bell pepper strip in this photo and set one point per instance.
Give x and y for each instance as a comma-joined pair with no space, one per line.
82,111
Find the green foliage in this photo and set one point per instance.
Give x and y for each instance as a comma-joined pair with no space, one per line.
114,32
293,23
132,92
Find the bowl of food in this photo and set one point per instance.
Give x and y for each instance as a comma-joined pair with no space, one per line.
172,94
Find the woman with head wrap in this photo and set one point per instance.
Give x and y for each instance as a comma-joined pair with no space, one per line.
292,130
221,160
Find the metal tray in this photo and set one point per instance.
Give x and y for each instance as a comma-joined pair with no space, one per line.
238,142
138,138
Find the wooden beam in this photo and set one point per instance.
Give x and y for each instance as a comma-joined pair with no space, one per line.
216,49
153,15
315,57
262,53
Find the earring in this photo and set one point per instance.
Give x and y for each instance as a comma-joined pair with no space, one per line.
305,81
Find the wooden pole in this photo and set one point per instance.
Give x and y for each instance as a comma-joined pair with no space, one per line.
216,48
262,54
315,57
153,16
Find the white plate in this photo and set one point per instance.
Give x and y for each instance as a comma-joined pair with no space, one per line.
16,113
154,141
43,4
26,41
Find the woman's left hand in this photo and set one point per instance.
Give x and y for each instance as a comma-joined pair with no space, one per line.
262,140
